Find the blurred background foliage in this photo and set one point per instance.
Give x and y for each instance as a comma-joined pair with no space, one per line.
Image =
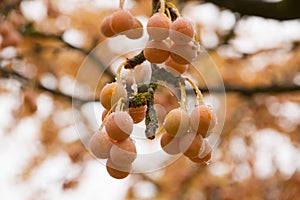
255,45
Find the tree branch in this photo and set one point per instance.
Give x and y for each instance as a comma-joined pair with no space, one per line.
28,30
272,89
281,10
24,80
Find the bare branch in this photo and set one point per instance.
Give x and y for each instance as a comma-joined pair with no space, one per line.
25,81
280,10
272,89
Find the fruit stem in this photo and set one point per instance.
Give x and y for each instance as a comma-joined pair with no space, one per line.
168,13
134,85
118,77
162,6
121,4
120,105
183,101
174,8
200,100
108,113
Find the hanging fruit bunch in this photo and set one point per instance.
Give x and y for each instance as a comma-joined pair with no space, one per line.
172,44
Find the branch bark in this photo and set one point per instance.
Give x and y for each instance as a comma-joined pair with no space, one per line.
281,10
272,89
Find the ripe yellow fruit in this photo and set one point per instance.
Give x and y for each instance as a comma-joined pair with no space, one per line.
164,102
158,26
111,94
119,125
156,51
203,120
105,27
177,122
121,20
181,31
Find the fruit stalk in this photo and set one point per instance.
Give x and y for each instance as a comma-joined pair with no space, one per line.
200,100
183,101
121,4
162,6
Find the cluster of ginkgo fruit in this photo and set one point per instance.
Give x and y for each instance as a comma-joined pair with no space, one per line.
184,133
171,43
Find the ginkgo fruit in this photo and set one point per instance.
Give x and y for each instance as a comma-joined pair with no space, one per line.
177,122
119,125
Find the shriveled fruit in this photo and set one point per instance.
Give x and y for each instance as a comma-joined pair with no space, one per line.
205,155
123,152
183,54
203,120
121,20
156,51
136,31
158,26
170,64
119,125
117,171
111,93
177,122
105,27
190,144
181,31
170,144
137,114
100,145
